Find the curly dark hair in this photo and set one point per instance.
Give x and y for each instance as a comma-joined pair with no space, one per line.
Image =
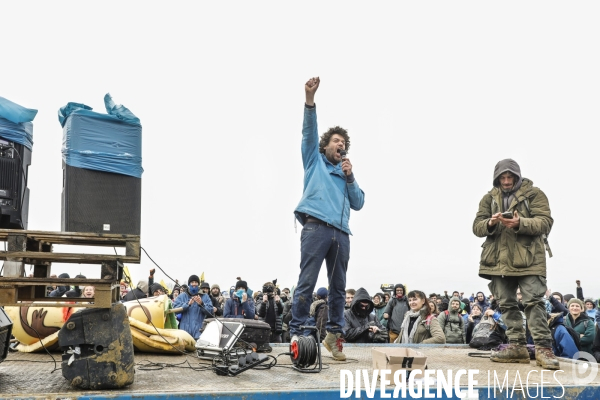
326,137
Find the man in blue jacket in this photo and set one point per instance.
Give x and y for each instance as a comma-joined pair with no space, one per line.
196,307
240,305
330,191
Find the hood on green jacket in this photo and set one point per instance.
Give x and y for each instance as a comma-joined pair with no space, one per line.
514,252
507,165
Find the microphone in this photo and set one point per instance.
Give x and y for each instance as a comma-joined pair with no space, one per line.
342,153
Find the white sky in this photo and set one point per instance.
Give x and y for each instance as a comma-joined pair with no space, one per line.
433,95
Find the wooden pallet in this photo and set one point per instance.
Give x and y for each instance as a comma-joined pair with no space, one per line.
36,248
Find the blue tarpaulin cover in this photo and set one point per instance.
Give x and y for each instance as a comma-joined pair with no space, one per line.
103,142
15,123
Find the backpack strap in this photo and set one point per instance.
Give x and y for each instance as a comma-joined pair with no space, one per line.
428,321
544,236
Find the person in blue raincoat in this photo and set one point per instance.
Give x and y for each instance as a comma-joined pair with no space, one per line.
196,306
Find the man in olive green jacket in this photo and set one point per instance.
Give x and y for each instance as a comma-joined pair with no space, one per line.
514,217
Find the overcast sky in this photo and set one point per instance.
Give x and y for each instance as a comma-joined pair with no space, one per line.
432,93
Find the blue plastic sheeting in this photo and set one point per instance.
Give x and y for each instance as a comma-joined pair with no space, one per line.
15,113
15,123
21,133
102,142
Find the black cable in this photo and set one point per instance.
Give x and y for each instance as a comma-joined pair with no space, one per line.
25,323
147,365
149,317
238,338
128,281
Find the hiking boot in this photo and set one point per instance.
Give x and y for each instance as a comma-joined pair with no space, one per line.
545,358
513,353
333,343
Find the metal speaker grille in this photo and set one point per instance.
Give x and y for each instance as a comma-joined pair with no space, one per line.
94,200
13,175
9,176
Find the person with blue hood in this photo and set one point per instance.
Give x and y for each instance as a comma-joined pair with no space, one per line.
195,307
395,310
240,304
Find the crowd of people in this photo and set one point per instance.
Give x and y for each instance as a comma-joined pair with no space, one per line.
384,317
68,290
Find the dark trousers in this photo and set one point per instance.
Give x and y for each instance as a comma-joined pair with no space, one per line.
320,242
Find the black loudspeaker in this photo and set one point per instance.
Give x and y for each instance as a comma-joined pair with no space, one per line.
15,160
100,202
98,348
5,332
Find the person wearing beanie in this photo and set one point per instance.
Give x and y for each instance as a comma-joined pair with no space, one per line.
77,290
195,307
589,305
395,310
217,310
362,326
515,220
205,287
270,309
156,289
581,323
140,292
215,293
330,192
590,308
61,290
240,304
319,311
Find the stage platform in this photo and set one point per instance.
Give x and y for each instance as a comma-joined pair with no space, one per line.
30,376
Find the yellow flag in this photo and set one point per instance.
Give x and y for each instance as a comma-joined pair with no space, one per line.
164,285
127,274
202,277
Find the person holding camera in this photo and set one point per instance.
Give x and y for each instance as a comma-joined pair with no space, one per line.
362,326
270,310
514,217
330,191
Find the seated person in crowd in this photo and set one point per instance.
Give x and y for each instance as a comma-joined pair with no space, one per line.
420,326
452,323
